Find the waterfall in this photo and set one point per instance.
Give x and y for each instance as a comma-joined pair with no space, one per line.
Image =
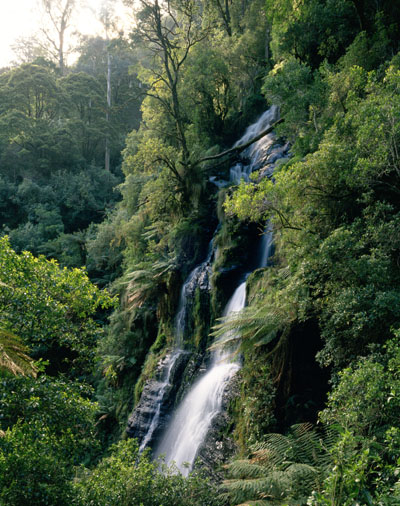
257,152
193,418
145,420
267,244
189,425
198,277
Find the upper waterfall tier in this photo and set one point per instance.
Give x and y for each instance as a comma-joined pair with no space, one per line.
256,155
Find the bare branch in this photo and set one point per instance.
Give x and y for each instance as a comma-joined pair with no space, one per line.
238,149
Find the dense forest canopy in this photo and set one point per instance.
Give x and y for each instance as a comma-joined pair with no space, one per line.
108,201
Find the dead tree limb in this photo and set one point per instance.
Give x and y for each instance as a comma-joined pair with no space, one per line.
238,149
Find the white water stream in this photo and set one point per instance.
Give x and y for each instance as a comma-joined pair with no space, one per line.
198,276
189,425
164,384
257,152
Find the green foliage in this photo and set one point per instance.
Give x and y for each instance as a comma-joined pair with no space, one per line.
254,409
104,251
122,354
47,212
125,477
365,406
31,104
314,30
282,470
49,428
61,406
300,93
32,467
52,180
86,119
51,309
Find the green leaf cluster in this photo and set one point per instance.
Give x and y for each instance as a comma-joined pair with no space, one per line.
364,460
125,477
283,469
52,309
48,428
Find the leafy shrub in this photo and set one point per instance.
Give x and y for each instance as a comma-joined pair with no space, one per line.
127,478
51,309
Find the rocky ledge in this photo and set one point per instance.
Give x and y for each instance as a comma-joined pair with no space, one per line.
157,398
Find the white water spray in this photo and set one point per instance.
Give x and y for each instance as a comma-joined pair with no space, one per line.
197,277
258,151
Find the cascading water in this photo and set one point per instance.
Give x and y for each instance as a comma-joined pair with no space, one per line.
192,420
198,277
145,421
267,244
161,391
258,151
189,425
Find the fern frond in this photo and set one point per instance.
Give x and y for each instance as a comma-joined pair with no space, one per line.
283,469
272,486
245,469
256,325
269,457
14,356
275,450
303,472
141,283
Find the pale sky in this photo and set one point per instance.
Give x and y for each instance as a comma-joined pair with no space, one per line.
19,18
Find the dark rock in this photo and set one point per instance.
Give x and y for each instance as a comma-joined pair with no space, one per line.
195,366
277,152
158,397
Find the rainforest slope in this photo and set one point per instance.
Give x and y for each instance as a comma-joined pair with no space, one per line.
320,334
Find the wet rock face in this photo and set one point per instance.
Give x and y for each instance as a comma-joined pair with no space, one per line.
195,367
157,398
199,279
273,154
219,445
202,279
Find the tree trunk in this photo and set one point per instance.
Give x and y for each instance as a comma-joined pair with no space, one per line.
267,41
107,150
61,35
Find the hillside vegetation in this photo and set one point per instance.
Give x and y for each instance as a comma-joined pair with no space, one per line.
93,254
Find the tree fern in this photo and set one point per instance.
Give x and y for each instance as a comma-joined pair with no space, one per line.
282,470
242,469
143,283
13,355
256,325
